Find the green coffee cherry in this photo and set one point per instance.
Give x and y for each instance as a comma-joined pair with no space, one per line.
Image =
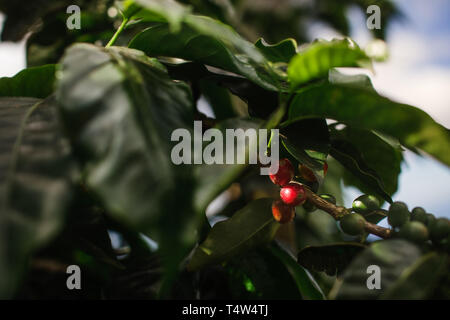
365,204
414,231
440,229
398,214
353,224
419,214
329,198
430,219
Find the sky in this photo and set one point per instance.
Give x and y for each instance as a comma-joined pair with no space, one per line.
417,73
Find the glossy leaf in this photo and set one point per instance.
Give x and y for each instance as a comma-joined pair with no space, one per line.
36,174
330,258
249,227
419,280
282,51
319,57
382,157
393,257
306,284
350,157
37,82
365,109
120,109
204,40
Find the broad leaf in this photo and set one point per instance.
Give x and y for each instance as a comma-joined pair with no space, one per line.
212,179
393,257
36,174
120,109
282,51
306,284
319,57
37,82
365,109
249,227
331,258
350,157
251,276
204,40
377,154
419,280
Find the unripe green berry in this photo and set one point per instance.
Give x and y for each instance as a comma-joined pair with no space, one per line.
430,219
414,231
398,214
329,198
440,229
419,214
353,224
365,204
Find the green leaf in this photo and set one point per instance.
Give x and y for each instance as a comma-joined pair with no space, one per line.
37,82
365,109
36,174
251,276
379,155
204,40
249,227
120,109
308,141
305,283
282,51
156,10
319,57
393,257
419,280
330,258
350,157
212,179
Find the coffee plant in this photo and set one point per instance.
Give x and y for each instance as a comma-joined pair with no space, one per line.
87,178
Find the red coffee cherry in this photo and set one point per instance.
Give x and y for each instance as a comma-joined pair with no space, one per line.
293,194
282,212
285,173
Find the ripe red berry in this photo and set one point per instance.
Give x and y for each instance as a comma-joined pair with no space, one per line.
325,168
282,212
293,194
285,173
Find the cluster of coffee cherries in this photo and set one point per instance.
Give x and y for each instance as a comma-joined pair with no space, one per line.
416,226
292,193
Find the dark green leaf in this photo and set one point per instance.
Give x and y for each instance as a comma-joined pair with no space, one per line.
379,155
251,276
37,82
319,57
120,109
282,51
418,280
305,283
215,178
331,258
365,109
249,227
207,41
350,157
393,257
36,173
